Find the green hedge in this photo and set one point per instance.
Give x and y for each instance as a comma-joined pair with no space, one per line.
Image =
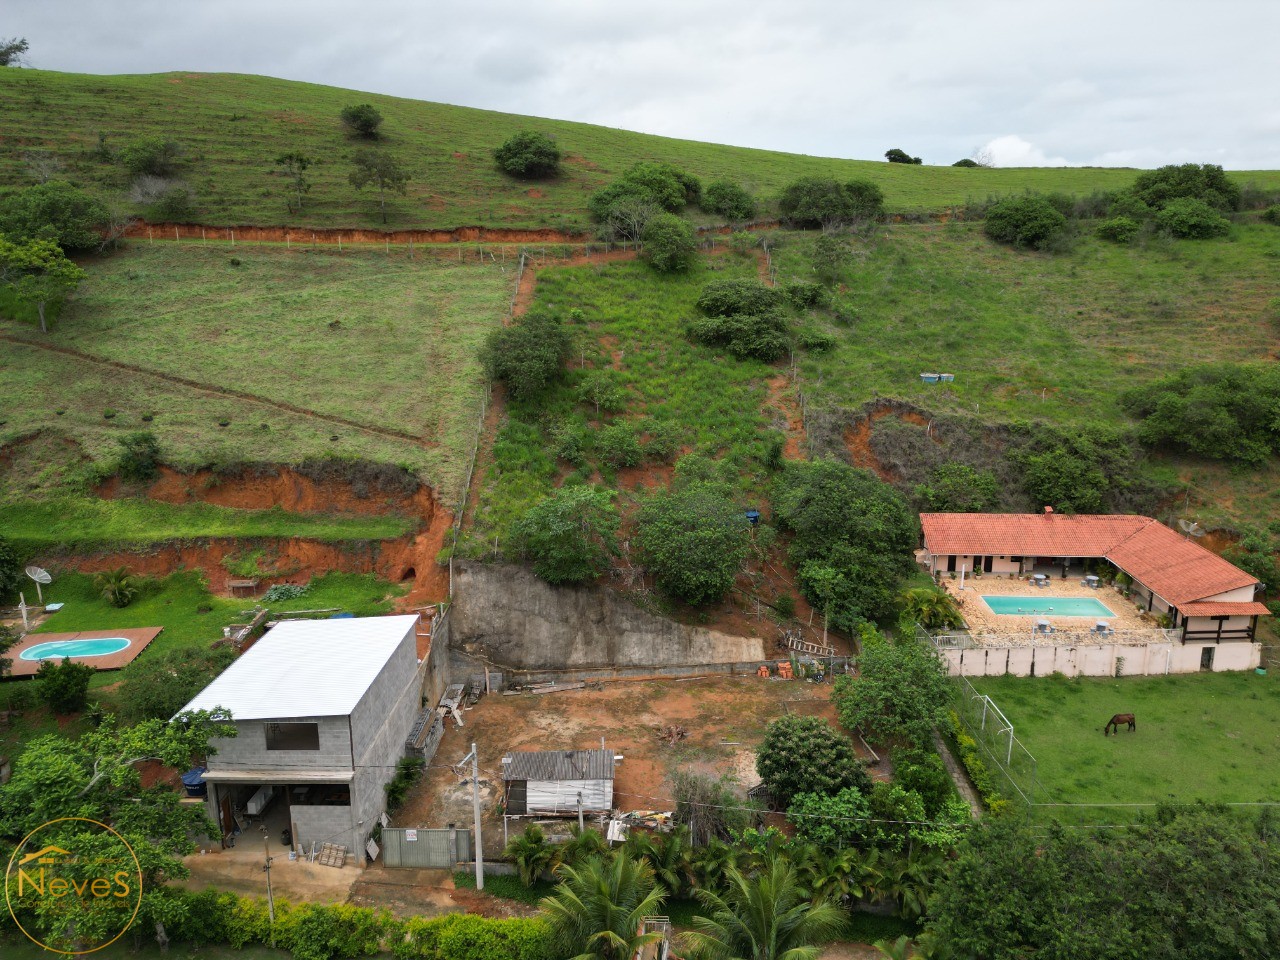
977,768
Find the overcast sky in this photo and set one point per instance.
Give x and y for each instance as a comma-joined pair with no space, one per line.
1116,83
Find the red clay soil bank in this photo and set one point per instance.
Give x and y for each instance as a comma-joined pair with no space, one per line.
857,436
408,558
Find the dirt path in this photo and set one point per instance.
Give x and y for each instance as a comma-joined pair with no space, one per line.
958,776
220,391
782,398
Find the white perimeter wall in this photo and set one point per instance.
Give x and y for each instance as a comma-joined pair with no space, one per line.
1099,660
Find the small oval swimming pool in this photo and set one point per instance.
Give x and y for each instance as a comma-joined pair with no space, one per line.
57,649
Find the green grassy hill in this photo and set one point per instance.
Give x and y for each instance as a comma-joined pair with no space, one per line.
232,128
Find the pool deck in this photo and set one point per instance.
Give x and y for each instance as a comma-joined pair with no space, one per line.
139,638
983,622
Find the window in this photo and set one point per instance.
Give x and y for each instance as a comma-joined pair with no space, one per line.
293,736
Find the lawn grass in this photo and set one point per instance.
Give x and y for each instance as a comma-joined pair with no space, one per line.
1210,736
232,127
370,336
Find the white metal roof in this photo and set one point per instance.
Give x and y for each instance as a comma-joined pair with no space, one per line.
307,668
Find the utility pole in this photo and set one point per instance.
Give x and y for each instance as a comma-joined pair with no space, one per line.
475,800
271,903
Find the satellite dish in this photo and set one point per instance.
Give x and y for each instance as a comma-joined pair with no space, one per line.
39,575
1192,529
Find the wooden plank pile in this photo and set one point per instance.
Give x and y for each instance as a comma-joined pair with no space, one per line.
332,855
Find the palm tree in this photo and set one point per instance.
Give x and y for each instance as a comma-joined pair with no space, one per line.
116,586
909,880
531,853
672,860
710,864
838,875
931,607
765,917
596,911
583,845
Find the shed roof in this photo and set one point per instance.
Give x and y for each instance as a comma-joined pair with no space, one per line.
1177,569
1224,608
559,765
307,668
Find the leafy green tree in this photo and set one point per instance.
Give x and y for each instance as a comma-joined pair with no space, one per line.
931,607
118,587
10,570
761,336
669,243
531,853
528,154
829,256
570,535
1192,219
64,685
156,688
831,821
1064,479
295,165
151,156
694,540
764,917
379,169
901,156
12,51
1025,222
729,200
807,755
959,488
601,389
529,356
725,298
625,206
139,460
822,201
39,274
8,637
901,690
1208,183
966,162
595,913
361,120
56,211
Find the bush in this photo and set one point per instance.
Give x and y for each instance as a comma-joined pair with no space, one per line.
54,211
627,204
528,154
694,540
815,341
64,685
282,592
1189,181
1272,215
570,535
152,156
959,488
1192,220
361,120
804,296
157,688
116,586
983,779
807,755
1025,222
10,570
745,336
966,162
729,200
669,243
1119,229
529,356
901,156
724,298
832,821
465,936
618,445
408,772
822,201
139,457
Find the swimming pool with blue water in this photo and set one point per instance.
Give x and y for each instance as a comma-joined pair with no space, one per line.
57,649
1048,606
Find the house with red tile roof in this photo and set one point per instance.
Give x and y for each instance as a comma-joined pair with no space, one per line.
1208,599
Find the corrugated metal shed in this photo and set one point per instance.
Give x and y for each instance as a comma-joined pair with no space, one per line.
307,668
559,765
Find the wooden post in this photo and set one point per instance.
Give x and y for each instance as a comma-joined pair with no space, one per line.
203,238
175,233
233,238
410,248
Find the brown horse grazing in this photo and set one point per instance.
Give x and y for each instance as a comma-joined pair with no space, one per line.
1118,719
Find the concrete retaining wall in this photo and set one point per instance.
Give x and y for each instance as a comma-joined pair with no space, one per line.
507,616
1100,660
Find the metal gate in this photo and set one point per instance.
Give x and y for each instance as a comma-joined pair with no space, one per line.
418,847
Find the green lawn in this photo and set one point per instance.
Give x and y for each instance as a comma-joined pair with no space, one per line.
232,127
1213,737
370,337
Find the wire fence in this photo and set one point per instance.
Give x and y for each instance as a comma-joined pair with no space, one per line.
1014,765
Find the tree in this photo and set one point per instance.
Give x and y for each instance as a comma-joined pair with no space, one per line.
528,154
597,910
151,156
8,637
531,853
1025,222
1065,480
825,202
10,570
959,488
528,356
831,821
967,162
901,156
625,206
694,540
901,690
64,686
570,535
725,298
729,200
156,689
1192,220
931,607
1208,183
361,120
669,243
116,586
295,166
12,51
829,763
54,211
139,460
379,168
765,917
763,336
39,274
708,807
829,256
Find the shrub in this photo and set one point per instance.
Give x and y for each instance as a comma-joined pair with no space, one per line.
815,341
54,211
10,569
461,936
618,445
155,688
529,356
921,771
959,488
983,780
966,162
528,154
626,205
1189,181
1272,214
408,772
901,156
694,540
831,821
64,685
153,156
822,201
669,243
807,755
283,592
1126,204
1025,222
116,586
1119,229
901,691
729,200
1192,220
361,120
139,457
745,336
724,298
804,296
570,535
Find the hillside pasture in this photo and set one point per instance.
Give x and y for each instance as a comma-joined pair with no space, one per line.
232,127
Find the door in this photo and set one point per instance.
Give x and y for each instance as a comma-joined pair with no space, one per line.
987,564
951,563
1206,658
517,791
227,822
